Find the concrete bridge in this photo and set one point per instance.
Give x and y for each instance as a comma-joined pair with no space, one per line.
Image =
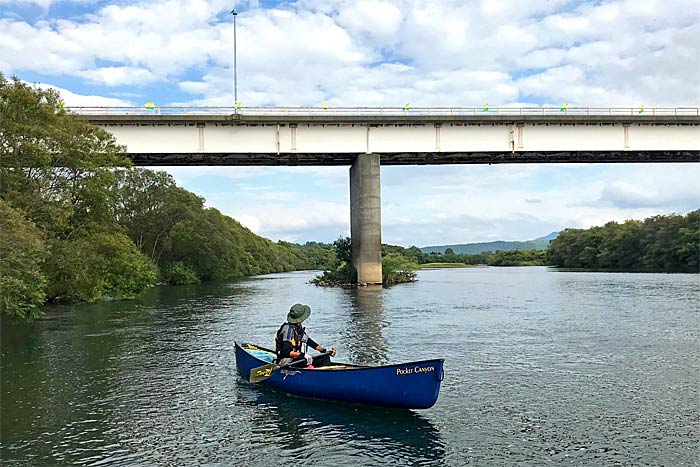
366,138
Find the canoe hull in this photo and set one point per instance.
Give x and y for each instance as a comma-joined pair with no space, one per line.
414,385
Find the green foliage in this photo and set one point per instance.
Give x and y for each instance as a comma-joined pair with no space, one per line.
397,268
661,243
517,258
22,251
207,244
444,265
342,271
343,250
343,274
179,274
55,168
312,255
499,258
90,266
148,205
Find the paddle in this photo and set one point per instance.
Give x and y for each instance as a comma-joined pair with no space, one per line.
261,373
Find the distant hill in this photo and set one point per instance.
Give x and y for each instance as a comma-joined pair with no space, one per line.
540,243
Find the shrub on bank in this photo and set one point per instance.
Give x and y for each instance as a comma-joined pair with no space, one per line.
180,274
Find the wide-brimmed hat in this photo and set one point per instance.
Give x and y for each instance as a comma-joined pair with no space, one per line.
298,313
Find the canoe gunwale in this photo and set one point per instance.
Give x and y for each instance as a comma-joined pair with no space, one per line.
347,366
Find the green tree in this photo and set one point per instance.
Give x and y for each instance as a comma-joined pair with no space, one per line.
397,268
343,250
90,266
22,251
55,167
148,205
665,243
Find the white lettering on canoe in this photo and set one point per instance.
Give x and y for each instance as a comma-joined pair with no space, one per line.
415,369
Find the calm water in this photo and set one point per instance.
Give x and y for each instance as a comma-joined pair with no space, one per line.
541,367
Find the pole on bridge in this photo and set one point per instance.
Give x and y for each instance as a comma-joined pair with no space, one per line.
366,219
235,75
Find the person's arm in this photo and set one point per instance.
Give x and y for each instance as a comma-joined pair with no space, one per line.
287,352
312,343
318,347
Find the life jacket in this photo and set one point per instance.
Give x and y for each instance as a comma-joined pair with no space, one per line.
292,333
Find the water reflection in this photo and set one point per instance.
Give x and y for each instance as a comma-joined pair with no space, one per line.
366,324
399,437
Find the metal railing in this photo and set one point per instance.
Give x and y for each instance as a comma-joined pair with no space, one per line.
389,111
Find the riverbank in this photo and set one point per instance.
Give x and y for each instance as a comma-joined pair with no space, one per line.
448,265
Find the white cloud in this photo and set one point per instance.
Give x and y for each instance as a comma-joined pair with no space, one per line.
380,52
116,76
45,4
298,222
377,19
72,99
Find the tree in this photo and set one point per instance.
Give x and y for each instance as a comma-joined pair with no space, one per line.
56,168
665,243
22,251
57,172
343,250
149,205
397,268
90,266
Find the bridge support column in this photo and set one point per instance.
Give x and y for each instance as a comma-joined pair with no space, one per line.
366,219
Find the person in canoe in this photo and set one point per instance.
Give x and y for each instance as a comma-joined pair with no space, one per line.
291,336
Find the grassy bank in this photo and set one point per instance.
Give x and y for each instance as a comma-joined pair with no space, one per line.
446,265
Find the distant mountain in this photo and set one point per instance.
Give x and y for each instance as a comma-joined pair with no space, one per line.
540,243
551,236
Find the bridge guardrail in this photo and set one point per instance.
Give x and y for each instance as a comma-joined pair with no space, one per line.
390,111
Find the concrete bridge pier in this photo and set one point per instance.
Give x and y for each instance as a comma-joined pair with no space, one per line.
366,218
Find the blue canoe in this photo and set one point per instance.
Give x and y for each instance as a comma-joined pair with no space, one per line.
413,385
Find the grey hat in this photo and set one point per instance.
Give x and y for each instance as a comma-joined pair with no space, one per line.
298,313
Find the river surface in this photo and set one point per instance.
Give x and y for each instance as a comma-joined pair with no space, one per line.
541,367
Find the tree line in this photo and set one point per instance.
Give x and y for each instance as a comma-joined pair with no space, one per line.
488,258
77,222
663,243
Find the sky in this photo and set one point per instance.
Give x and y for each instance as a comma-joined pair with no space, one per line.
384,53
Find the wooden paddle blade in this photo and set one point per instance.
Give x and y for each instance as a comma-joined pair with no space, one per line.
261,373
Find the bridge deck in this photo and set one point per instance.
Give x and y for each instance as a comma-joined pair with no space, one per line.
335,136
413,158
408,118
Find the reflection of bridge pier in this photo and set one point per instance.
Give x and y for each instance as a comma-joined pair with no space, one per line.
366,325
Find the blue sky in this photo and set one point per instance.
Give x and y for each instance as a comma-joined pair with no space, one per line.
387,53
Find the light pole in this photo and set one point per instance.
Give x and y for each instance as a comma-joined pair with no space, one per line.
235,76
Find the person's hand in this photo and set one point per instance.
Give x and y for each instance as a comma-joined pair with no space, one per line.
309,359
333,352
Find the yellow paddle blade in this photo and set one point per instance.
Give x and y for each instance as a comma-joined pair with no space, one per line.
262,372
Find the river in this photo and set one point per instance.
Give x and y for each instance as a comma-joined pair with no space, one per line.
541,367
